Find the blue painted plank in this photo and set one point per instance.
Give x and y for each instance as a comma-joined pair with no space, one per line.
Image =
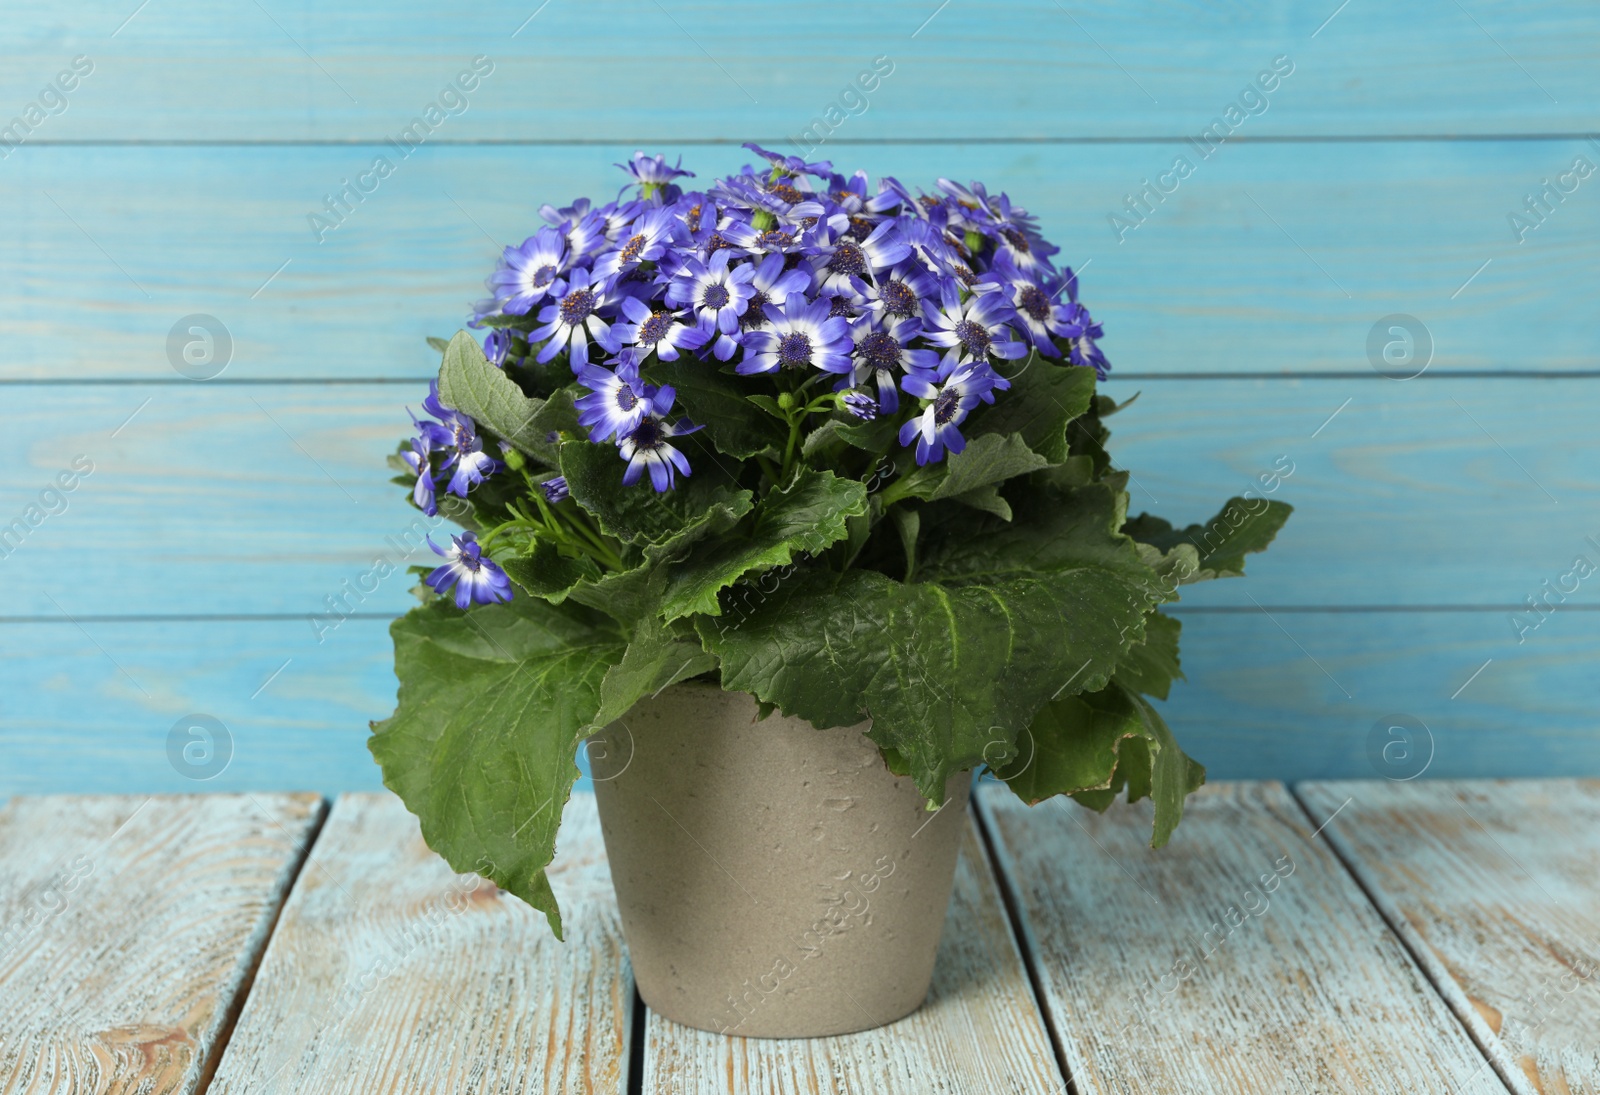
92,710
1267,259
638,70
275,498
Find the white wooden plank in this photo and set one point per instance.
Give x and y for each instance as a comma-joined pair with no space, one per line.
129,927
1496,888
1179,971
979,1032
388,973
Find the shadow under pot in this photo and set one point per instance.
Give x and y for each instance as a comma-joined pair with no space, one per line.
774,880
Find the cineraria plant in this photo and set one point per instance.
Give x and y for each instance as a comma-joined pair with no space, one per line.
835,446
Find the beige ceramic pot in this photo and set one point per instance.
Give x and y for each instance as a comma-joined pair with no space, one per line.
774,880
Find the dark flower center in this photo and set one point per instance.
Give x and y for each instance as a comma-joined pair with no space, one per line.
929,202
966,276
1016,239
973,337
839,306
848,259
898,298
654,329
716,243
755,314
861,228
576,306
692,218
945,405
631,249
715,296
794,349
879,350
1034,302
774,239
647,434
787,193
626,400
543,276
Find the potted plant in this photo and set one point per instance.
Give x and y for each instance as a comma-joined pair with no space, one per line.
790,495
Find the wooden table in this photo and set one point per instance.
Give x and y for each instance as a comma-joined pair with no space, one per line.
1340,937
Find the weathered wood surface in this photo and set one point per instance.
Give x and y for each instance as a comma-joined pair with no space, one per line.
275,498
390,974
979,1032
129,929
1267,258
1255,704
292,69
1495,887
1184,970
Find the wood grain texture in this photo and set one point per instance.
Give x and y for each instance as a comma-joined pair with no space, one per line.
1268,258
1495,886
291,69
388,973
251,499
129,927
979,1033
1255,704
1180,970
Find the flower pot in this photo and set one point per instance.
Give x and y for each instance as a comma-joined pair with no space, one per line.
774,880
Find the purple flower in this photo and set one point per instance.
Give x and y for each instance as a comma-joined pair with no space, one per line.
1083,331
860,404
951,395
655,330
847,260
645,240
616,403
575,316
459,433
496,345
794,165
422,493
882,350
972,329
555,490
772,283
802,335
475,578
647,446
717,294
653,174
527,273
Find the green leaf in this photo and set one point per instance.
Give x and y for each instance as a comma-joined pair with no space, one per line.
805,517
637,513
1152,666
544,572
1092,745
490,398
438,344
908,523
482,744
1243,526
721,404
988,460
655,659
986,499
1043,398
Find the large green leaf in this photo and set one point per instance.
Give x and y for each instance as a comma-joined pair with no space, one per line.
481,747
543,571
721,404
1152,666
988,460
1244,526
1092,745
639,514
492,399
657,657
805,517
1043,398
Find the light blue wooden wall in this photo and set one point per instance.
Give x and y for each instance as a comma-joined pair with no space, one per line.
179,174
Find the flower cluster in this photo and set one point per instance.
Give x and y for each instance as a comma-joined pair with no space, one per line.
900,305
